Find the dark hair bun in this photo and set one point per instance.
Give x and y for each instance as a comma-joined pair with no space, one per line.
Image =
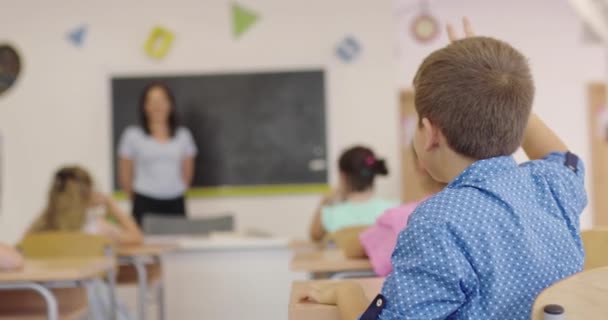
380,167
360,166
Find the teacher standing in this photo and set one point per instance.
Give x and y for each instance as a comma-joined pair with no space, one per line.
156,158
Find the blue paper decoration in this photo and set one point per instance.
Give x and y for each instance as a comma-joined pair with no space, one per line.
76,36
348,49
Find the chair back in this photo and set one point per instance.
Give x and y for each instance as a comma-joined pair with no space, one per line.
595,242
582,296
167,225
65,245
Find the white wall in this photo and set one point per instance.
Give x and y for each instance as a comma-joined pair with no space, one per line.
59,111
548,32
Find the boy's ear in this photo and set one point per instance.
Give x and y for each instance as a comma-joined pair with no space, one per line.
431,133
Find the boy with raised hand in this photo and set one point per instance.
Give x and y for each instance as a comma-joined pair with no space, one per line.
499,233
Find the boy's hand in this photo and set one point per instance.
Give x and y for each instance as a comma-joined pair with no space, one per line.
347,295
323,294
468,30
328,293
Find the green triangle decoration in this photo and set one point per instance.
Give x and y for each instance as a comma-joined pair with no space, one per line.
242,19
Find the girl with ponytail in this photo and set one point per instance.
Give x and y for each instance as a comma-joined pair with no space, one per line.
71,207
353,203
75,205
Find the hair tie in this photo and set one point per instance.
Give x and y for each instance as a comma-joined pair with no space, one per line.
370,160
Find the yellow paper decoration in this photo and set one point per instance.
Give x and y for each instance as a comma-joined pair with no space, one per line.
159,42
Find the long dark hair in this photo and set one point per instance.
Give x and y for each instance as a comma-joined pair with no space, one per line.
143,116
360,167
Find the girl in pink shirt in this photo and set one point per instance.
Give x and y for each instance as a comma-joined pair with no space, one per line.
379,240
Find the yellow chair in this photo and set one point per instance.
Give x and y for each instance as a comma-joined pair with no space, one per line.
595,242
582,296
45,245
72,302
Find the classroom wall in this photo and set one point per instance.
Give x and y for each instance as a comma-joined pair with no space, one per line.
59,111
548,32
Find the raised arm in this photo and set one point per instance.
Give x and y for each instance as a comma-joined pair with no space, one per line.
540,140
127,231
316,230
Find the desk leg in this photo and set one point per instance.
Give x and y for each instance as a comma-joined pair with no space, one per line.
113,300
111,275
142,280
161,291
52,310
161,301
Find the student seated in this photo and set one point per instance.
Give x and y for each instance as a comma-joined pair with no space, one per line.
10,259
377,241
72,206
499,233
353,202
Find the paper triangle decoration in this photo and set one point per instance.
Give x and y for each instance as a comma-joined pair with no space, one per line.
77,35
242,19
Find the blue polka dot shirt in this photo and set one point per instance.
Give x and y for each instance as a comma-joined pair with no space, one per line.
490,242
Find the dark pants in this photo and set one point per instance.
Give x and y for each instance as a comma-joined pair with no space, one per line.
143,205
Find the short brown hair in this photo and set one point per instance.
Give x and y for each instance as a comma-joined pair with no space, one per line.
479,92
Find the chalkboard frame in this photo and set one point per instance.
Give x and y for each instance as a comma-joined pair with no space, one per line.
236,190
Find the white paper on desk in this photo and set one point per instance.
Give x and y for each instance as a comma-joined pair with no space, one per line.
164,239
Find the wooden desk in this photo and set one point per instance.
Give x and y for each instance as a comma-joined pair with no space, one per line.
307,311
234,263
582,295
304,245
58,272
145,250
332,260
68,269
142,265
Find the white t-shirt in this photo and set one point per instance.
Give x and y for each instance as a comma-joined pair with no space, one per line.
158,165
